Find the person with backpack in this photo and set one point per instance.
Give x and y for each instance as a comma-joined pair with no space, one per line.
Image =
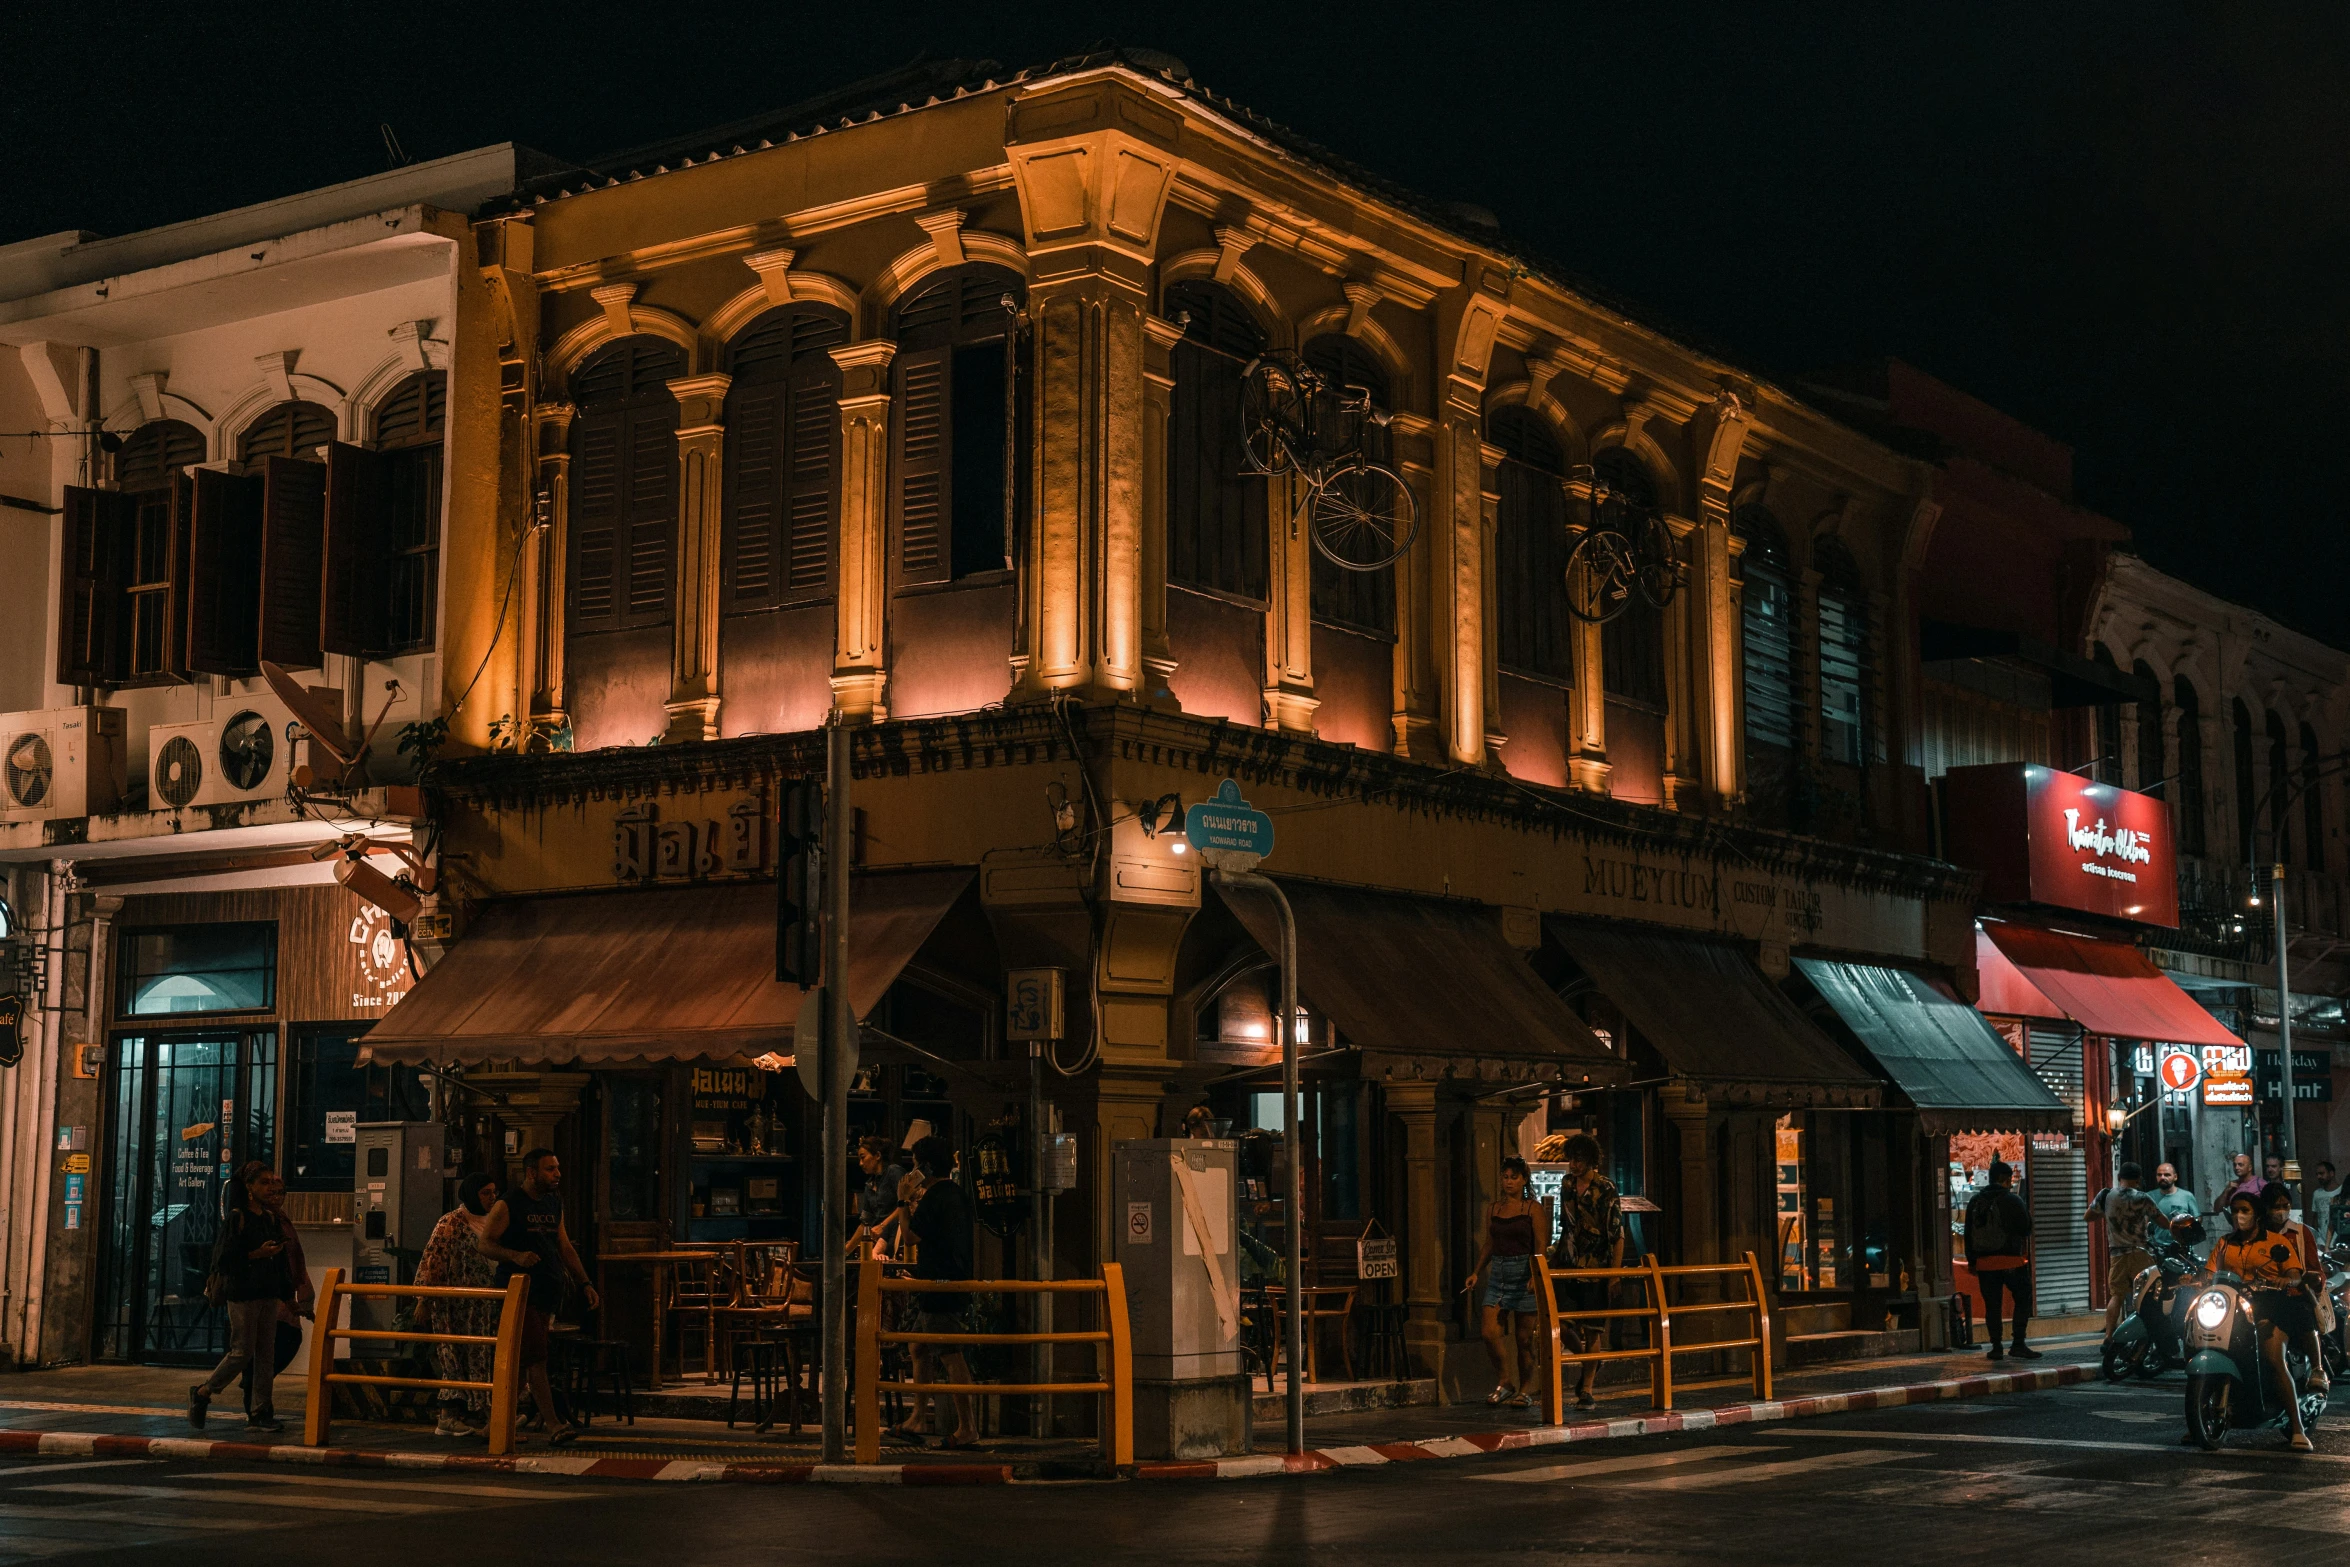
251,1274
1998,1249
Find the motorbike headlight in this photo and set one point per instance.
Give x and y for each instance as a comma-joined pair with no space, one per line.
2211,1310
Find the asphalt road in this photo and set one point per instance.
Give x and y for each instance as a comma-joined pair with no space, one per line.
2088,1474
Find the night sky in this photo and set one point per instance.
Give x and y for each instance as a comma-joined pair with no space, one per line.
2125,225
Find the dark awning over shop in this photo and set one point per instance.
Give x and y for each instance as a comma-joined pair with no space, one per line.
1714,1017
1416,977
1953,1066
2108,987
668,974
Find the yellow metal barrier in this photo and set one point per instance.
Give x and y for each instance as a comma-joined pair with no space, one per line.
1115,1378
1658,1310
504,1365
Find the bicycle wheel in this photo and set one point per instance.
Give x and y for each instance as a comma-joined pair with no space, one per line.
1659,562
1272,415
1600,573
1362,515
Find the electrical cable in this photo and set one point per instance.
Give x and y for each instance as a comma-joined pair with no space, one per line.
513,579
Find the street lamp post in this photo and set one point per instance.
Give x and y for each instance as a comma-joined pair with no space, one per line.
2276,904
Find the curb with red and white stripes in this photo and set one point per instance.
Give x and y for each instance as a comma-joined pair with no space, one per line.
88,1444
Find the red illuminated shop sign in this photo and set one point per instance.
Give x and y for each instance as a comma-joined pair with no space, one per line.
2041,836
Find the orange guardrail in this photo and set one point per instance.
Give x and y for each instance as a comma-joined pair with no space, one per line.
1113,1350
1659,1310
505,1364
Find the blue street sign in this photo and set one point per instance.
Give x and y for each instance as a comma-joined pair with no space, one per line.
1227,830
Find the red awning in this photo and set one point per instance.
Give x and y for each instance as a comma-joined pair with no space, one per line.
2108,987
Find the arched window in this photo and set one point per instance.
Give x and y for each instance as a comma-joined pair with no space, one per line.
2190,783
2151,776
1359,600
1844,655
151,469
2313,809
2280,788
2247,801
782,458
155,453
1631,646
410,426
1767,596
291,429
1216,509
624,485
960,468
1533,630
2106,765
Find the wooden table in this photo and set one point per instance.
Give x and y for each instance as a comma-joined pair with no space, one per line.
660,1262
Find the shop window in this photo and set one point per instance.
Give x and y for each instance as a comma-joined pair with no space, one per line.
329,1095
1216,509
1533,631
1339,1135
782,458
1767,621
624,486
632,1142
1844,656
1357,600
960,485
2189,792
2313,810
1631,646
199,969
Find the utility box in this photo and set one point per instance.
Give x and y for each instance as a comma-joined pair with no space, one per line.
395,1203
1172,1206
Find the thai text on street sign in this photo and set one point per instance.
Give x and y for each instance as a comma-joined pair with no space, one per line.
1227,831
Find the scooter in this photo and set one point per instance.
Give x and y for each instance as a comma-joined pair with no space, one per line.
2150,1337
2227,1381
2337,1343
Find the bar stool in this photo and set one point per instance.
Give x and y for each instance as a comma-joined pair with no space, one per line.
593,1368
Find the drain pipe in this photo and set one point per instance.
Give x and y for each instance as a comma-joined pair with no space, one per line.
41,1117
8,1100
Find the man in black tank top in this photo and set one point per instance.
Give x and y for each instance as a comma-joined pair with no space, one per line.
524,1231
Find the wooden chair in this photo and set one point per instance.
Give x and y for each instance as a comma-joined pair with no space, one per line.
697,1290
1321,1303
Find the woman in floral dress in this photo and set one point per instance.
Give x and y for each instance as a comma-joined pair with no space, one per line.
453,1259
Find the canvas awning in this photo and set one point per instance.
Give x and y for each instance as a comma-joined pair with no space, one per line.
1420,977
1715,1019
1938,1050
2108,987
664,974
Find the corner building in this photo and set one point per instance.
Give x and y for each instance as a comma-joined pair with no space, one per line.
919,411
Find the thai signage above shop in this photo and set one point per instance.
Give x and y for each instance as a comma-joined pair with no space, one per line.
2041,836
2227,1075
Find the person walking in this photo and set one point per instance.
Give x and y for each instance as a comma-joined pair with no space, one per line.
2130,1215
531,1217
1998,1249
2325,1203
453,1259
1591,1235
942,1225
250,1273
1517,1229
878,1197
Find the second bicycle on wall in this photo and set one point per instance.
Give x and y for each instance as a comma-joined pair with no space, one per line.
1295,419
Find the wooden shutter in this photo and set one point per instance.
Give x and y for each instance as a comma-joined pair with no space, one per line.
595,522
175,597
814,436
97,525
652,512
356,558
224,579
755,484
293,555
921,469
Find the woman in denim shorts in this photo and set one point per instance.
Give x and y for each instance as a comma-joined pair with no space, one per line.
1516,1229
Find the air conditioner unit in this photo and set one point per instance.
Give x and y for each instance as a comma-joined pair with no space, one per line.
244,754
68,761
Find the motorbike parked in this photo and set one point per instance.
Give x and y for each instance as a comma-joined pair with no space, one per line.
2336,1263
2150,1338
2227,1381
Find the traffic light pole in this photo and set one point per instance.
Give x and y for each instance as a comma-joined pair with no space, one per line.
839,1019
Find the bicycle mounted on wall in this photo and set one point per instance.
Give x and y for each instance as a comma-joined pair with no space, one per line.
1625,547
1295,419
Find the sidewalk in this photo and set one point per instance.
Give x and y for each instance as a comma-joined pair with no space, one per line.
137,1411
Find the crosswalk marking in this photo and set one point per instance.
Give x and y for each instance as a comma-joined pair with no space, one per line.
1606,1466
1742,1474
174,1493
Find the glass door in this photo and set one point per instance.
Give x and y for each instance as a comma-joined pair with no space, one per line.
186,1110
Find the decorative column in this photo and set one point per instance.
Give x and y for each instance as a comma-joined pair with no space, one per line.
1681,698
1456,534
548,561
1422,582
1489,517
1712,634
860,648
1425,1296
701,455
1158,657
1290,702
1587,764
1686,1112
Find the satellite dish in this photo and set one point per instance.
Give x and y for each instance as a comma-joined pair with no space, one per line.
322,720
